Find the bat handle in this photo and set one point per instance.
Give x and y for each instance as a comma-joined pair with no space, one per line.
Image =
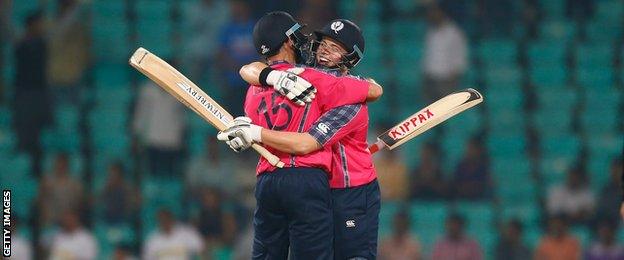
373,148
273,160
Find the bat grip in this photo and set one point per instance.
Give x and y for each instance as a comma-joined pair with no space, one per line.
373,148
273,160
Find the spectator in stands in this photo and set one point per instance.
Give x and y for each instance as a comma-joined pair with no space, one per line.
204,19
574,199
123,252
31,89
59,192
118,198
605,247
558,243
69,50
427,179
316,13
392,172
21,247
400,245
456,244
210,169
445,54
159,125
510,246
215,223
236,50
73,241
172,240
611,194
472,177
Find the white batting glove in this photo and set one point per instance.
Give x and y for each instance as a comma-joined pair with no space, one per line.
293,87
240,134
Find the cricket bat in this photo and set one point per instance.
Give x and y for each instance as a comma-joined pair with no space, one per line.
427,118
189,94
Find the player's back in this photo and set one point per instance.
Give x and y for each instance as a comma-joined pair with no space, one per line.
271,110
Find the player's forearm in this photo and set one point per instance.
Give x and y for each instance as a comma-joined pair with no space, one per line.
374,91
290,142
251,72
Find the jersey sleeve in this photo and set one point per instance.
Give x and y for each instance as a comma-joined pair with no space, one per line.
337,123
335,91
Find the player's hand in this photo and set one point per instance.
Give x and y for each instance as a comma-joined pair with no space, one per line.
240,134
295,88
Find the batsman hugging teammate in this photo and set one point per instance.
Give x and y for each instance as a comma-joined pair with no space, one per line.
336,48
293,203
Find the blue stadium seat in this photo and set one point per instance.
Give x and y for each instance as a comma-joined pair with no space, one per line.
111,40
147,9
606,123
503,99
553,8
467,123
110,8
507,121
510,170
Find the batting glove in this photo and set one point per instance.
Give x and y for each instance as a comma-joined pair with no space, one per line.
240,134
289,84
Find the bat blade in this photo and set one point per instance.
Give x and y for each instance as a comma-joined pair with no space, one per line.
427,118
189,94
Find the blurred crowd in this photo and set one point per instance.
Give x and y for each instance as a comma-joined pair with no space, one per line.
51,52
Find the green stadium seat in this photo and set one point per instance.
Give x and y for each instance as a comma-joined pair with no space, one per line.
557,30
553,8
561,146
548,76
504,77
8,140
467,123
514,194
561,100
603,31
510,170
109,236
155,35
453,147
589,55
110,76
609,11
600,121
532,235
546,53
408,30
595,77
553,170
528,214
609,143
153,8
602,99
17,167
503,99
478,214
552,122
110,8
506,145
599,169
583,234
111,40
386,216
428,219
498,52
507,121
352,8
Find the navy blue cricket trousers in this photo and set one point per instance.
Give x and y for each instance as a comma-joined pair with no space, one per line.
293,210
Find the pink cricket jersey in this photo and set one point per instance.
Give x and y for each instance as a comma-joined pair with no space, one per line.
271,110
345,129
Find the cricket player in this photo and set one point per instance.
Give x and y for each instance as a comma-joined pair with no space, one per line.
339,46
293,203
